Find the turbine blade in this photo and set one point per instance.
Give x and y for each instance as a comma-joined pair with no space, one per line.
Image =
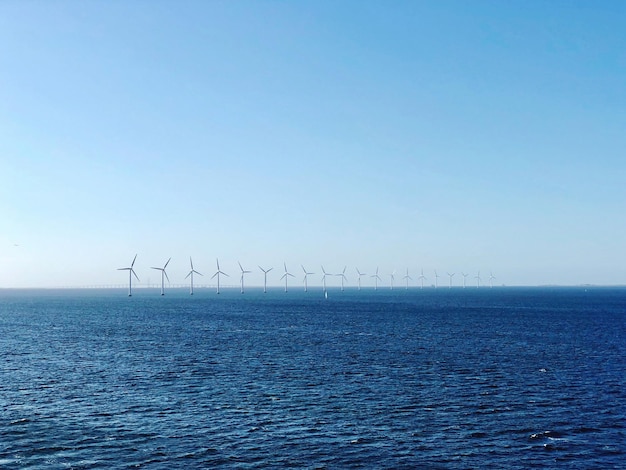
167,263
166,276
133,263
135,274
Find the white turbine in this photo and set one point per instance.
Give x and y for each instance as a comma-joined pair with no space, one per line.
360,274
407,277
343,277
163,276
217,273
477,277
436,279
392,276
191,273
306,274
491,278
324,278
464,277
421,278
265,271
286,276
243,271
451,276
376,279
131,273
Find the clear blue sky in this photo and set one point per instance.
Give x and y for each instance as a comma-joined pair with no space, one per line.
448,135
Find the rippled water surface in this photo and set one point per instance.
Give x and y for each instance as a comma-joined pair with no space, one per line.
433,378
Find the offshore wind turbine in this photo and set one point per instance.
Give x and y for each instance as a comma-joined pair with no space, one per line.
376,279
491,278
191,273
407,277
464,277
286,275
360,274
324,278
265,271
131,273
421,278
392,276
217,273
451,276
477,277
306,274
243,271
163,276
343,277
436,279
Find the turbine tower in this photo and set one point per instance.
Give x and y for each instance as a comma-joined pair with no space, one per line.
343,277
306,274
286,275
451,276
436,279
392,276
491,278
163,276
243,271
477,277
421,278
265,271
217,273
131,273
324,278
376,279
407,277
191,273
360,274
464,277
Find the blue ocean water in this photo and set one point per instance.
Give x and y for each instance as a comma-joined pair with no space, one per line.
433,378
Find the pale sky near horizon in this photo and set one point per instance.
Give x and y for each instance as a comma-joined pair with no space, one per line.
448,135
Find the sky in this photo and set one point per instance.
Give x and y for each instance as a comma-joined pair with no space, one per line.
442,135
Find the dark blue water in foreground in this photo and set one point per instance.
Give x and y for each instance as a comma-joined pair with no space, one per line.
474,378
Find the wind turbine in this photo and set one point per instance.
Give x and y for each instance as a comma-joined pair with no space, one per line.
286,276
131,273
491,278
376,279
243,271
421,278
360,274
343,277
217,273
436,279
451,276
407,277
191,273
163,276
392,277
464,277
477,277
265,271
306,274
324,278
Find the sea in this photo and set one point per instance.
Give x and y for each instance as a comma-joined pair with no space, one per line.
501,377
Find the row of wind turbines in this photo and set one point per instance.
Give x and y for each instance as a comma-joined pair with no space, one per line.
286,275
